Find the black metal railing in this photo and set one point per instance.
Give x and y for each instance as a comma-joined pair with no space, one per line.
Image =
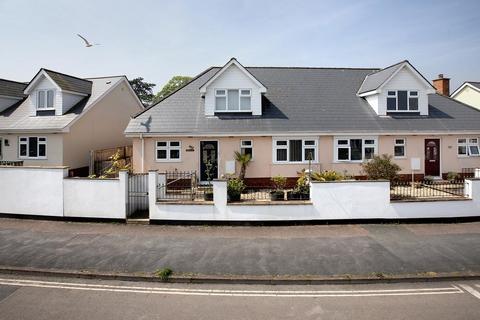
180,185
11,163
467,173
427,190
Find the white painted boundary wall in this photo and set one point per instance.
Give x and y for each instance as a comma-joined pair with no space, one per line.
45,191
32,190
96,198
329,201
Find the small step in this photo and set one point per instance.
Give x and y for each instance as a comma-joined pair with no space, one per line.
138,221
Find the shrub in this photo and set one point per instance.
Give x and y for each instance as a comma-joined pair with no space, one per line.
452,176
244,160
327,175
302,185
381,167
164,273
235,188
279,182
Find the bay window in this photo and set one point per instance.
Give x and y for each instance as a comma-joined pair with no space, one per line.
295,150
402,100
233,100
32,147
468,147
168,151
355,149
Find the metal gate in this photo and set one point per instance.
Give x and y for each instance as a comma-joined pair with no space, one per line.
137,195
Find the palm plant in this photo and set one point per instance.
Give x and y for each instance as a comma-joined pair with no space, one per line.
244,160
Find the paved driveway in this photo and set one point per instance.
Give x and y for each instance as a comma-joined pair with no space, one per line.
219,250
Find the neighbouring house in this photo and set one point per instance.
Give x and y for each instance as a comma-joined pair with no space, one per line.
285,116
468,93
57,119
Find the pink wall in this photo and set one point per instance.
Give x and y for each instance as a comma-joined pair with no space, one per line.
262,165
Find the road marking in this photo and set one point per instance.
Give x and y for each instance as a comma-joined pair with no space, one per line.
233,293
470,290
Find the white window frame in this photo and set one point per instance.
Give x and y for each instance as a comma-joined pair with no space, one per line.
168,148
45,100
27,142
242,146
240,96
337,146
287,147
404,145
409,95
469,142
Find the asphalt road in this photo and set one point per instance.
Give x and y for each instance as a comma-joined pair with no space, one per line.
56,298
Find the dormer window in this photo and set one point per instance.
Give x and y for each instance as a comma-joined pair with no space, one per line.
233,100
45,99
402,100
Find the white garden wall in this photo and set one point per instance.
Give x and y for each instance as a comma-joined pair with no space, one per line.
46,191
95,198
32,190
341,200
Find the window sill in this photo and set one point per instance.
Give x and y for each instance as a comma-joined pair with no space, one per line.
300,162
399,158
166,161
45,109
31,158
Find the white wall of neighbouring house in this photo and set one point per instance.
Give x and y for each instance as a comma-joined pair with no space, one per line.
101,127
469,96
233,78
32,190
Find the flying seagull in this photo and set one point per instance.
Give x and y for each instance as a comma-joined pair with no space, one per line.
88,44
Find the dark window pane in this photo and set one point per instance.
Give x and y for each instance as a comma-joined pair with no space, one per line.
413,93
282,143
413,103
174,154
391,103
356,147
462,150
391,93
399,151
309,154
161,144
402,100
174,144
42,148
32,147
295,150
161,154
369,152
247,151
343,154
281,154
23,150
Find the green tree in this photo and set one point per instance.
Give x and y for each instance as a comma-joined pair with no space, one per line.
244,160
173,84
143,89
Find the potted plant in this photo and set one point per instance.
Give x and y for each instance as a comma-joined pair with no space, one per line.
279,184
235,188
208,194
302,188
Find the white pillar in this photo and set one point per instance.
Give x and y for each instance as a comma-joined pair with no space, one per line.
123,179
220,194
161,181
477,173
152,189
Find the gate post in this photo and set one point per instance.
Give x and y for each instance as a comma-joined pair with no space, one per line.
152,189
220,195
123,179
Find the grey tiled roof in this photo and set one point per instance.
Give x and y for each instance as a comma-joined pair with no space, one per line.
12,88
475,84
321,100
376,79
70,83
17,117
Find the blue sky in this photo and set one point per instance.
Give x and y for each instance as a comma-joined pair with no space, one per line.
159,39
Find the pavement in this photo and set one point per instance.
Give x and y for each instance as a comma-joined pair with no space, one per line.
56,298
295,252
